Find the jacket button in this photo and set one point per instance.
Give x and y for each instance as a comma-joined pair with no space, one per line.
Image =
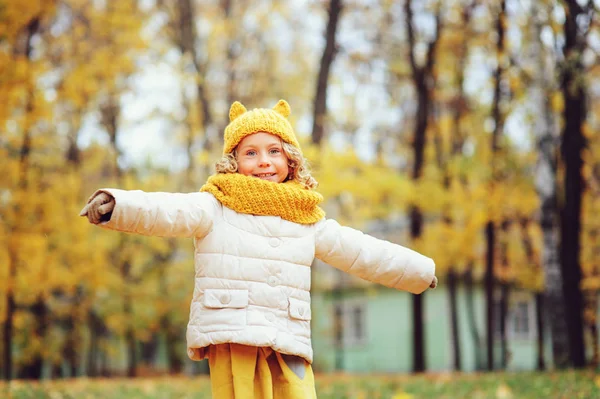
274,242
301,312
225,299
272,281
270,317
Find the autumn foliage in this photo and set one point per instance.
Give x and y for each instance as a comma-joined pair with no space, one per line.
74,77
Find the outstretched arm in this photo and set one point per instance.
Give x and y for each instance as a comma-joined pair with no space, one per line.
152,214
372,259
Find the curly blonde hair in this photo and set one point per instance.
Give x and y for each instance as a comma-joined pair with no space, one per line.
300,169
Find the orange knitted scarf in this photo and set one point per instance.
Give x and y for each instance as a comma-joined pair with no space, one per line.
245,194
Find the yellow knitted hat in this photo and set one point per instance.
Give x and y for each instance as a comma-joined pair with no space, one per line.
244,123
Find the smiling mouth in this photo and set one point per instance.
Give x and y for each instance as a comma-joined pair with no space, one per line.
264,175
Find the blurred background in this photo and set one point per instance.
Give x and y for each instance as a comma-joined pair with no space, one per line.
465,129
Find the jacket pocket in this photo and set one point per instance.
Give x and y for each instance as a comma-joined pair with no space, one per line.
299,309
219,310
221,298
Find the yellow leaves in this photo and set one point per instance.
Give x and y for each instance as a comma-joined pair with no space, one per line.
587,131
515,82
80,85
441,238
116,322
15,15
591,283
402,395
557,102
428,195
504,392
360,190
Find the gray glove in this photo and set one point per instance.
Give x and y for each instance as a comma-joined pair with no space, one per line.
99,208
434,282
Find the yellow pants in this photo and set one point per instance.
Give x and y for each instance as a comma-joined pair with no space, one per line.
248,372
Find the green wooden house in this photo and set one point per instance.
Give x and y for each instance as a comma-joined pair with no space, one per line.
375,333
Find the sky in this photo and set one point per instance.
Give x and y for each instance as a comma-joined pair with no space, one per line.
147,136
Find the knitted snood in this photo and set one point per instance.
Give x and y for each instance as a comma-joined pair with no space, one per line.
250,195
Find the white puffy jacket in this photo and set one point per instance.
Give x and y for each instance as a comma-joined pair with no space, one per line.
252,282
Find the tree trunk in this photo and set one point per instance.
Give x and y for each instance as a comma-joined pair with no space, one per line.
170,333
96,357
104,366
173,354
56,371
504,294
132,358
7,332
94,349
416,224
424,82
71,344
546,185
452,293
504,297
593,329
539,319
148,350
186,41
329,52
539,298
318,132
130,341
338,321
472,318
489,293
573,143
33,369
458,108
110,113
233,51
21,48
490,230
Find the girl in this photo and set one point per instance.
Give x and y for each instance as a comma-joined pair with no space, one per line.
257,227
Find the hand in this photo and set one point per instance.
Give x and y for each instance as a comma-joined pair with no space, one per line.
434,282
99,208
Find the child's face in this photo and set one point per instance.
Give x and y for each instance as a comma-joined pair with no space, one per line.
261,155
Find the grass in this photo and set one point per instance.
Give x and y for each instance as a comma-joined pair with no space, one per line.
555,385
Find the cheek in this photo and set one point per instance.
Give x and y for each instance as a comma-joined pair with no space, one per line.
282,165
282,174
244,167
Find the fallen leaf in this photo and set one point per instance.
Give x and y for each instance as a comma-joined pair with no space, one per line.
503,392
402,395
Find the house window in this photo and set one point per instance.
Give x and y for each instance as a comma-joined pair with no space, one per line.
350,323
498,319
519,320
339,324
358,323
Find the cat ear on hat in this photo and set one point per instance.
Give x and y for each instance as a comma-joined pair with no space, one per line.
237,109
283,108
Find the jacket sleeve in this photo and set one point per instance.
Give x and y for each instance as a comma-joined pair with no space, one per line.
161,214
373,259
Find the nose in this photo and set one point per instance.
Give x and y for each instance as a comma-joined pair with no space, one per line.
264,161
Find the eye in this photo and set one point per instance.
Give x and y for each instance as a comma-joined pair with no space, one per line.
251,152
275,151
